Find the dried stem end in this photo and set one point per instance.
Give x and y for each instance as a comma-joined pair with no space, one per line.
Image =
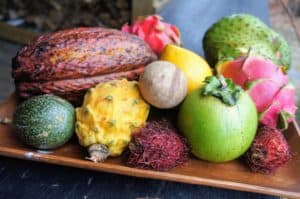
98,152
5,120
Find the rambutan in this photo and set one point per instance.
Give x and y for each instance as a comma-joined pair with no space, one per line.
157,146
269,151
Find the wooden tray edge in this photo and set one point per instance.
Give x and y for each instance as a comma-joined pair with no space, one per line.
128,171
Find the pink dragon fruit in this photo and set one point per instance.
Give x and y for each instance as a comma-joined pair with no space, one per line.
155,32
267,85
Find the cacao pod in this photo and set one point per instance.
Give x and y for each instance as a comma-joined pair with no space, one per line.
68,62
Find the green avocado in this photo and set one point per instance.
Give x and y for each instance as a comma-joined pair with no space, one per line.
45,121
239,34
218,130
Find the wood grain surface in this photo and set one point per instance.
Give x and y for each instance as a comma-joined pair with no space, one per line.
232,175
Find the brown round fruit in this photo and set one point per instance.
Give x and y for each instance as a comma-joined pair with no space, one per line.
163,85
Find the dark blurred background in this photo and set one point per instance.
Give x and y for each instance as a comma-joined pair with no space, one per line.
44,16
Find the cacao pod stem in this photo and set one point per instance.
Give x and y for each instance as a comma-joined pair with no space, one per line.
5,120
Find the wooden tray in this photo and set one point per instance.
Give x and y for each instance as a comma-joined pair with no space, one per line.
233,175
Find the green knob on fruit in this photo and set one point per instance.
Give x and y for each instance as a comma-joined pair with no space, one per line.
218,120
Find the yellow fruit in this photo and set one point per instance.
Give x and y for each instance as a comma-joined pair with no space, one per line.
110,113
193,66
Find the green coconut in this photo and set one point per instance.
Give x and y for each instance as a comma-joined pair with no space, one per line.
218,120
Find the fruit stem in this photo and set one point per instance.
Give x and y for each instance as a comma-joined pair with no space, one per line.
5,120
98,152
223,89
223,83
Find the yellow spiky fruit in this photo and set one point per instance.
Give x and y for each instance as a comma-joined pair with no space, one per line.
110,113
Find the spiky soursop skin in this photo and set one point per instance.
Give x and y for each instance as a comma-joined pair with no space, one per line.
268,86
155,32
235,35
110,113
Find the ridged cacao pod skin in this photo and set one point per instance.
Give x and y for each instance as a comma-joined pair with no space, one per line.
67,63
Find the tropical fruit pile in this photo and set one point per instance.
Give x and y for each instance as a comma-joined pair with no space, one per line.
235,105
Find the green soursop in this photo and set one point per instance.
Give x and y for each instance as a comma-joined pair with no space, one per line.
238,34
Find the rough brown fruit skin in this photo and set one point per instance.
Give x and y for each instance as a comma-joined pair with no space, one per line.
68,62
72,89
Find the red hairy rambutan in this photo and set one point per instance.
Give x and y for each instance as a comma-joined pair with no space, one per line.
157,146
269,151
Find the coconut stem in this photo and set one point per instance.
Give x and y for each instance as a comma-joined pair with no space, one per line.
223,83
224,89
98,152
5,120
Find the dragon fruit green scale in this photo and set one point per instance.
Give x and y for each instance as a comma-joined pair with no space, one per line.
235,35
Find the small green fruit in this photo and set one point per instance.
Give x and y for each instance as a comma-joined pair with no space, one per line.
45,121
218,131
